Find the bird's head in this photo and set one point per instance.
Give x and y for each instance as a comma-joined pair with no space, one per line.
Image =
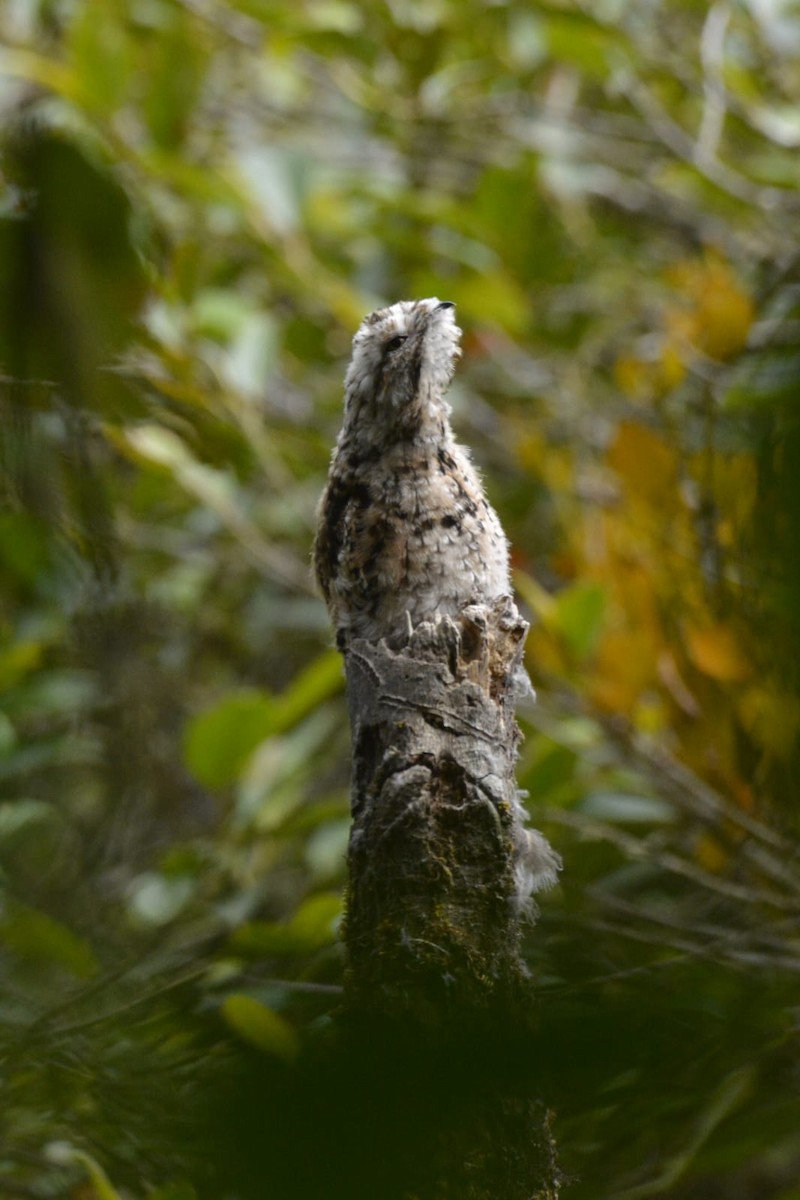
402,363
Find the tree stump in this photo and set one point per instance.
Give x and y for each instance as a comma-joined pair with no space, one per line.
441,867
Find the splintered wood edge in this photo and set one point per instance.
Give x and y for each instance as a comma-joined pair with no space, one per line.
484,644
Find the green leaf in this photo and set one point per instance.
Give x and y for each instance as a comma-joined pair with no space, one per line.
8,736
217,743
729,1095
334,14
101,55
173,1191
56,692
35,936
494,298
260,1026
552,767
578,40
18,660
24,547
323,678
174,71
70,750
259,939
157,899
62,1153
527,44
314,923
579,616
312,927
20,814
220,313
273,783
326,849
628,809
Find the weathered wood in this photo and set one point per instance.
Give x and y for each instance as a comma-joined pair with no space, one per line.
441,869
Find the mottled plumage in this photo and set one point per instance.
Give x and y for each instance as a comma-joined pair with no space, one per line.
405,530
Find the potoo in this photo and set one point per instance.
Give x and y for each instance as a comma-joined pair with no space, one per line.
405,530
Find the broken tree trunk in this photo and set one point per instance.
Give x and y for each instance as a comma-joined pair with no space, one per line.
441,867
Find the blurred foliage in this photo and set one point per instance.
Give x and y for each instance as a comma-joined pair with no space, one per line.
199,202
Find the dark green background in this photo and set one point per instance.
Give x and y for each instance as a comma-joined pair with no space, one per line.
199,203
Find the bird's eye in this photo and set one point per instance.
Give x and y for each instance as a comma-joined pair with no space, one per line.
396,342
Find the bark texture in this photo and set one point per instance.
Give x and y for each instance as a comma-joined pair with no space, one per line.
436,991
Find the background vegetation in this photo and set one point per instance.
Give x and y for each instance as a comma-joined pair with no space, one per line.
200,201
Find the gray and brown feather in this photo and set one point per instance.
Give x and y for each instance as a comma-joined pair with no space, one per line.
405,531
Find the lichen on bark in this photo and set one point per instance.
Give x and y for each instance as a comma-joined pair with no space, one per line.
434,910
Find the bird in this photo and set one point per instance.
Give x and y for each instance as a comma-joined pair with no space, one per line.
405,533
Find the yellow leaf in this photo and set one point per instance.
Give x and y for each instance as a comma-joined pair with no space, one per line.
643,379
632,377
724,313
673,369
715,651
735,485
530,448
650,715
675,684
644,462
625,667
718,312
709,854
772,718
